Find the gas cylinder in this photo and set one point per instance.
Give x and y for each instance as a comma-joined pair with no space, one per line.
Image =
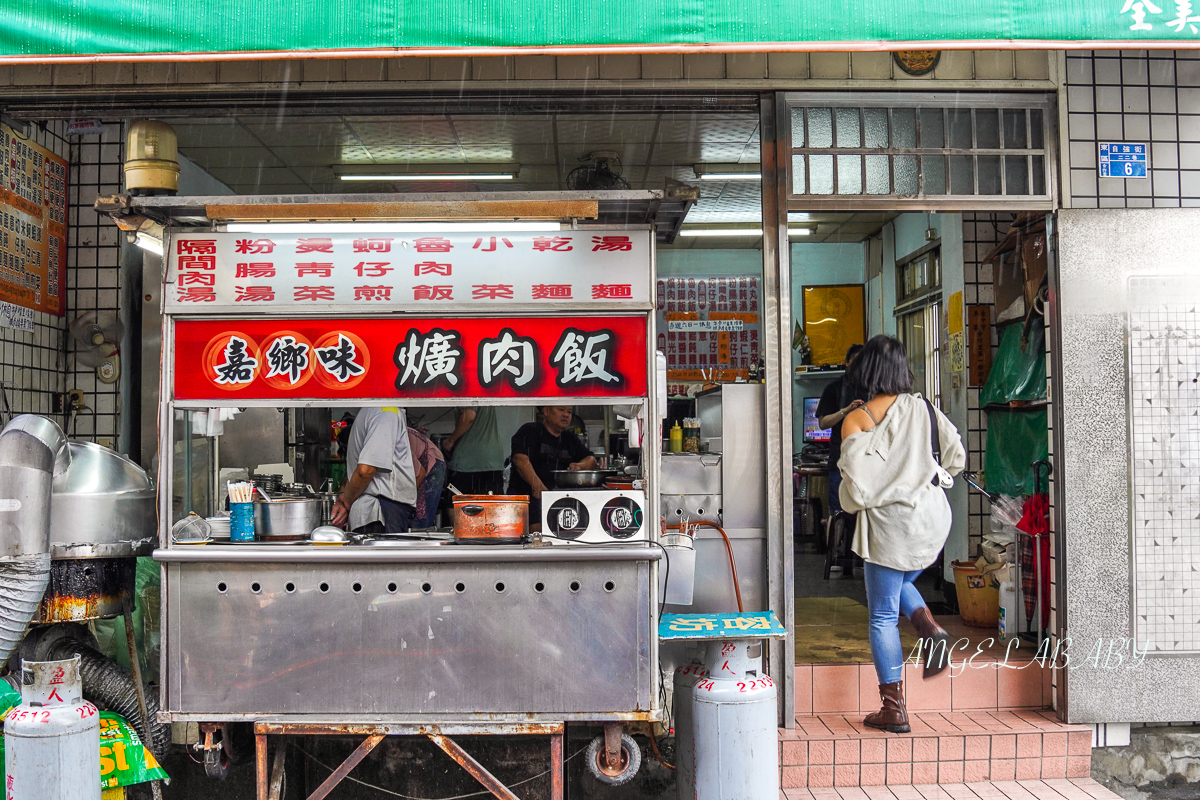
734,723
685,680
52,740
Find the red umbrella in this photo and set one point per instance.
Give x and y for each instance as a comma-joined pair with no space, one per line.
1035,573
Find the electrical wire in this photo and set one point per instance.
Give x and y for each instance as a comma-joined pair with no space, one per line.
737,588
323,765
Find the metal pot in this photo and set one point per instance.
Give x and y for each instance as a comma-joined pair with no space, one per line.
490,518
286,519
581,478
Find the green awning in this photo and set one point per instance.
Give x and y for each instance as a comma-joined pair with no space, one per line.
83,28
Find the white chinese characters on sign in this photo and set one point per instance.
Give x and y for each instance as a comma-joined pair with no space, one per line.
231,271
426,358
239,366
509,357
582,356
288,358
1138,10
339,360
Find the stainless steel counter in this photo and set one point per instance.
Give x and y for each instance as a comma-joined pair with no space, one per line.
416,633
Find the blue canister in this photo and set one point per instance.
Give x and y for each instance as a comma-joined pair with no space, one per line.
241,522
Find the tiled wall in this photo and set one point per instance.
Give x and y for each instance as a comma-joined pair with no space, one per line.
994,65
94,274
1135,96
32,363
981,232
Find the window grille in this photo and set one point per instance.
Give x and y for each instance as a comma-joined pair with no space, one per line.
960,151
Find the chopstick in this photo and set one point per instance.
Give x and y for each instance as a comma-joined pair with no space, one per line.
240,492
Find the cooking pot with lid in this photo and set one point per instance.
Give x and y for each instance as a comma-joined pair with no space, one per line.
490,518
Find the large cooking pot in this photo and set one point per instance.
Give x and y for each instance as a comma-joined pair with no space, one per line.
286,519
581,478
490,518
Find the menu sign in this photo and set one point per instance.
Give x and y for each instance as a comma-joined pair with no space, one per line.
460,358
708,327
33,225
364,271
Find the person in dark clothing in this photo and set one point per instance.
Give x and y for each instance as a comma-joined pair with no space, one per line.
538,449
837,401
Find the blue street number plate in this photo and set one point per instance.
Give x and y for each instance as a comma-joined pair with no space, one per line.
1122,160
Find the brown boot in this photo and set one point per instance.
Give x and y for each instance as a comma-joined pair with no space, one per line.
892,717
935,642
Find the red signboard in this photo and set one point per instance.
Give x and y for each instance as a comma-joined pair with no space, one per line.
342,359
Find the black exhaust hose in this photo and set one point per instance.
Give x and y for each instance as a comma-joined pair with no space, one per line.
111,685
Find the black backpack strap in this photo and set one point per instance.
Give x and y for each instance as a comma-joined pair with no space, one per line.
935,439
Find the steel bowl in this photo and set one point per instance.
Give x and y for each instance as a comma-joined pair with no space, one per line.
581,478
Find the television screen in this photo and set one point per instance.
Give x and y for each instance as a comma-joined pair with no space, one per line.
812,431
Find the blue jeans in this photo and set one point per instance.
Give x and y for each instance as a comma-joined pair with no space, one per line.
835,482
889,592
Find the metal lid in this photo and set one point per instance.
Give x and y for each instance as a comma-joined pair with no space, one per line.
98,470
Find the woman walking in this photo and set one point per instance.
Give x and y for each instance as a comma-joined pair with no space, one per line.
891,478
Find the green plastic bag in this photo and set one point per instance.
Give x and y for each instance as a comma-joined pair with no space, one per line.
124,761
1015,439
1017,374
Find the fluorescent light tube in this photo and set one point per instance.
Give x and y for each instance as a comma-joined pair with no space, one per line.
387,227
735,232
730,176
148,243
721,232
432,176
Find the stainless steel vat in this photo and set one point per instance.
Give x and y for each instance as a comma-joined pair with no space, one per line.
286,518
102,506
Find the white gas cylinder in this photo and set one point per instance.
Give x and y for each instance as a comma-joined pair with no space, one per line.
734,723
686,677
52,740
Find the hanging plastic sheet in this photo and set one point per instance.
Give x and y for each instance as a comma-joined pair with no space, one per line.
1018,373
1015,439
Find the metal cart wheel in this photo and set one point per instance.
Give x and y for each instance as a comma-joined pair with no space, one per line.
631,761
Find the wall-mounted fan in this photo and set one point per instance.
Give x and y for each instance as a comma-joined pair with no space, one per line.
97,344
601,170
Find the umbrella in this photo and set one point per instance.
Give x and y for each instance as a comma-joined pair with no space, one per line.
1035,571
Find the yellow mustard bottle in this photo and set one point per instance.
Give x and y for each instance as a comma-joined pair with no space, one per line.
676,439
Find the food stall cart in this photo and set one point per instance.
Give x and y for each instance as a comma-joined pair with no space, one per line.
404,636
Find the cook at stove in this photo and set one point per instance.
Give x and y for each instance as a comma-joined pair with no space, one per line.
381,492
539,449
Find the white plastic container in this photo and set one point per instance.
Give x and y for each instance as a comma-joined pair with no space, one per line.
52,740
1009,613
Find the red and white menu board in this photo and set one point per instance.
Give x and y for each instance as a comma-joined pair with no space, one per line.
367,271
708,327
33,225
227,361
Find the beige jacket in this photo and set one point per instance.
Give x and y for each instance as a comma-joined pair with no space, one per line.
887,476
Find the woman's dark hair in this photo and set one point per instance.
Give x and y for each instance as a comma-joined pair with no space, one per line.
882,368
854,350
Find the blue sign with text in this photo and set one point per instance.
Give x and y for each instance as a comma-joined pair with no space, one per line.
748,625
1122,160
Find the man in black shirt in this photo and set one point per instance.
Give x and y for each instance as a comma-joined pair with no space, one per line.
538,449
839,399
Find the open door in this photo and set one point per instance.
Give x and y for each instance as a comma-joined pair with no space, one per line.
1126,375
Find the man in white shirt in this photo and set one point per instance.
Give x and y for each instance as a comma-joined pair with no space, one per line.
381,493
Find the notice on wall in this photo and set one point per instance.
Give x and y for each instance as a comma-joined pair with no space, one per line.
979,338
33,225
954,327
16,317
708,328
